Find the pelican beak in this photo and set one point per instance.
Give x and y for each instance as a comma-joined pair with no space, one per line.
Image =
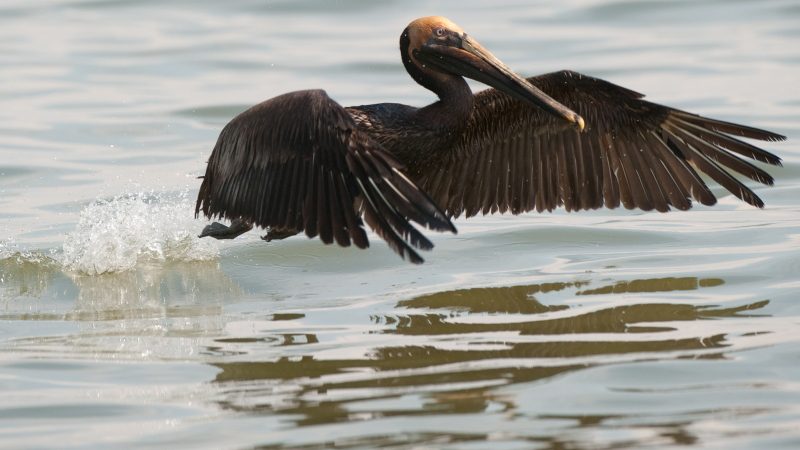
461,55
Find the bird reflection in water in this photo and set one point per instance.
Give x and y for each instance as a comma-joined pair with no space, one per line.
456,361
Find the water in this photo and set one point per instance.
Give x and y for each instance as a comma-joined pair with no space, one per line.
608,329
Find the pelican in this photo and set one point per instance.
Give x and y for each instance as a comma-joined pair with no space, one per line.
300,162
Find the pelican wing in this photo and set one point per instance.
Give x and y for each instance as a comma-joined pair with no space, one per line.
515,157
298,162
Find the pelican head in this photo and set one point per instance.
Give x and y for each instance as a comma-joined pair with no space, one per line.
436,44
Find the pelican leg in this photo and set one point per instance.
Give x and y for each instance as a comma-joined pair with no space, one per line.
220,231
278,234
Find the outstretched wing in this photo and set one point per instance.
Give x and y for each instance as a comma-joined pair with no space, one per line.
298,162
515,157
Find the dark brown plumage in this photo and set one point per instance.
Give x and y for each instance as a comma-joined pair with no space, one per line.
300,162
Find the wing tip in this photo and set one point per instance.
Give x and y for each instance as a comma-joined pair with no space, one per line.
443,224
414,258
775,137
731,128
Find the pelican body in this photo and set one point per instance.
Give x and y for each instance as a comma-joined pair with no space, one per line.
300,162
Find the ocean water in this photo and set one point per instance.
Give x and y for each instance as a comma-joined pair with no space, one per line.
599,330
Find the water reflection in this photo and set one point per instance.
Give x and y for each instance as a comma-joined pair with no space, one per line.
25,275
180,290
513,299
520,299
157,311
175,289
654,285
455,360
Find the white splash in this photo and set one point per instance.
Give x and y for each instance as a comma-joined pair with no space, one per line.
6,247
115,235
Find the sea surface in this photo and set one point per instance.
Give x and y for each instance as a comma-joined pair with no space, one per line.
599,330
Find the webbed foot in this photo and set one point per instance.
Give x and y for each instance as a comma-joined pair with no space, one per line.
278,234
219,231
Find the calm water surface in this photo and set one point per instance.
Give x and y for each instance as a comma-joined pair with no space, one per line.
609,329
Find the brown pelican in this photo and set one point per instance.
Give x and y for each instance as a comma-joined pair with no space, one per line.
300,162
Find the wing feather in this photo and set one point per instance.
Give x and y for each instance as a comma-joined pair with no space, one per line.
611,193
515,157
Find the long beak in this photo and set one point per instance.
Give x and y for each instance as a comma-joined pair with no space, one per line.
466,57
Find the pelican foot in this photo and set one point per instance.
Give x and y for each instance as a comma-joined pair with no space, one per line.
219,231
278,234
